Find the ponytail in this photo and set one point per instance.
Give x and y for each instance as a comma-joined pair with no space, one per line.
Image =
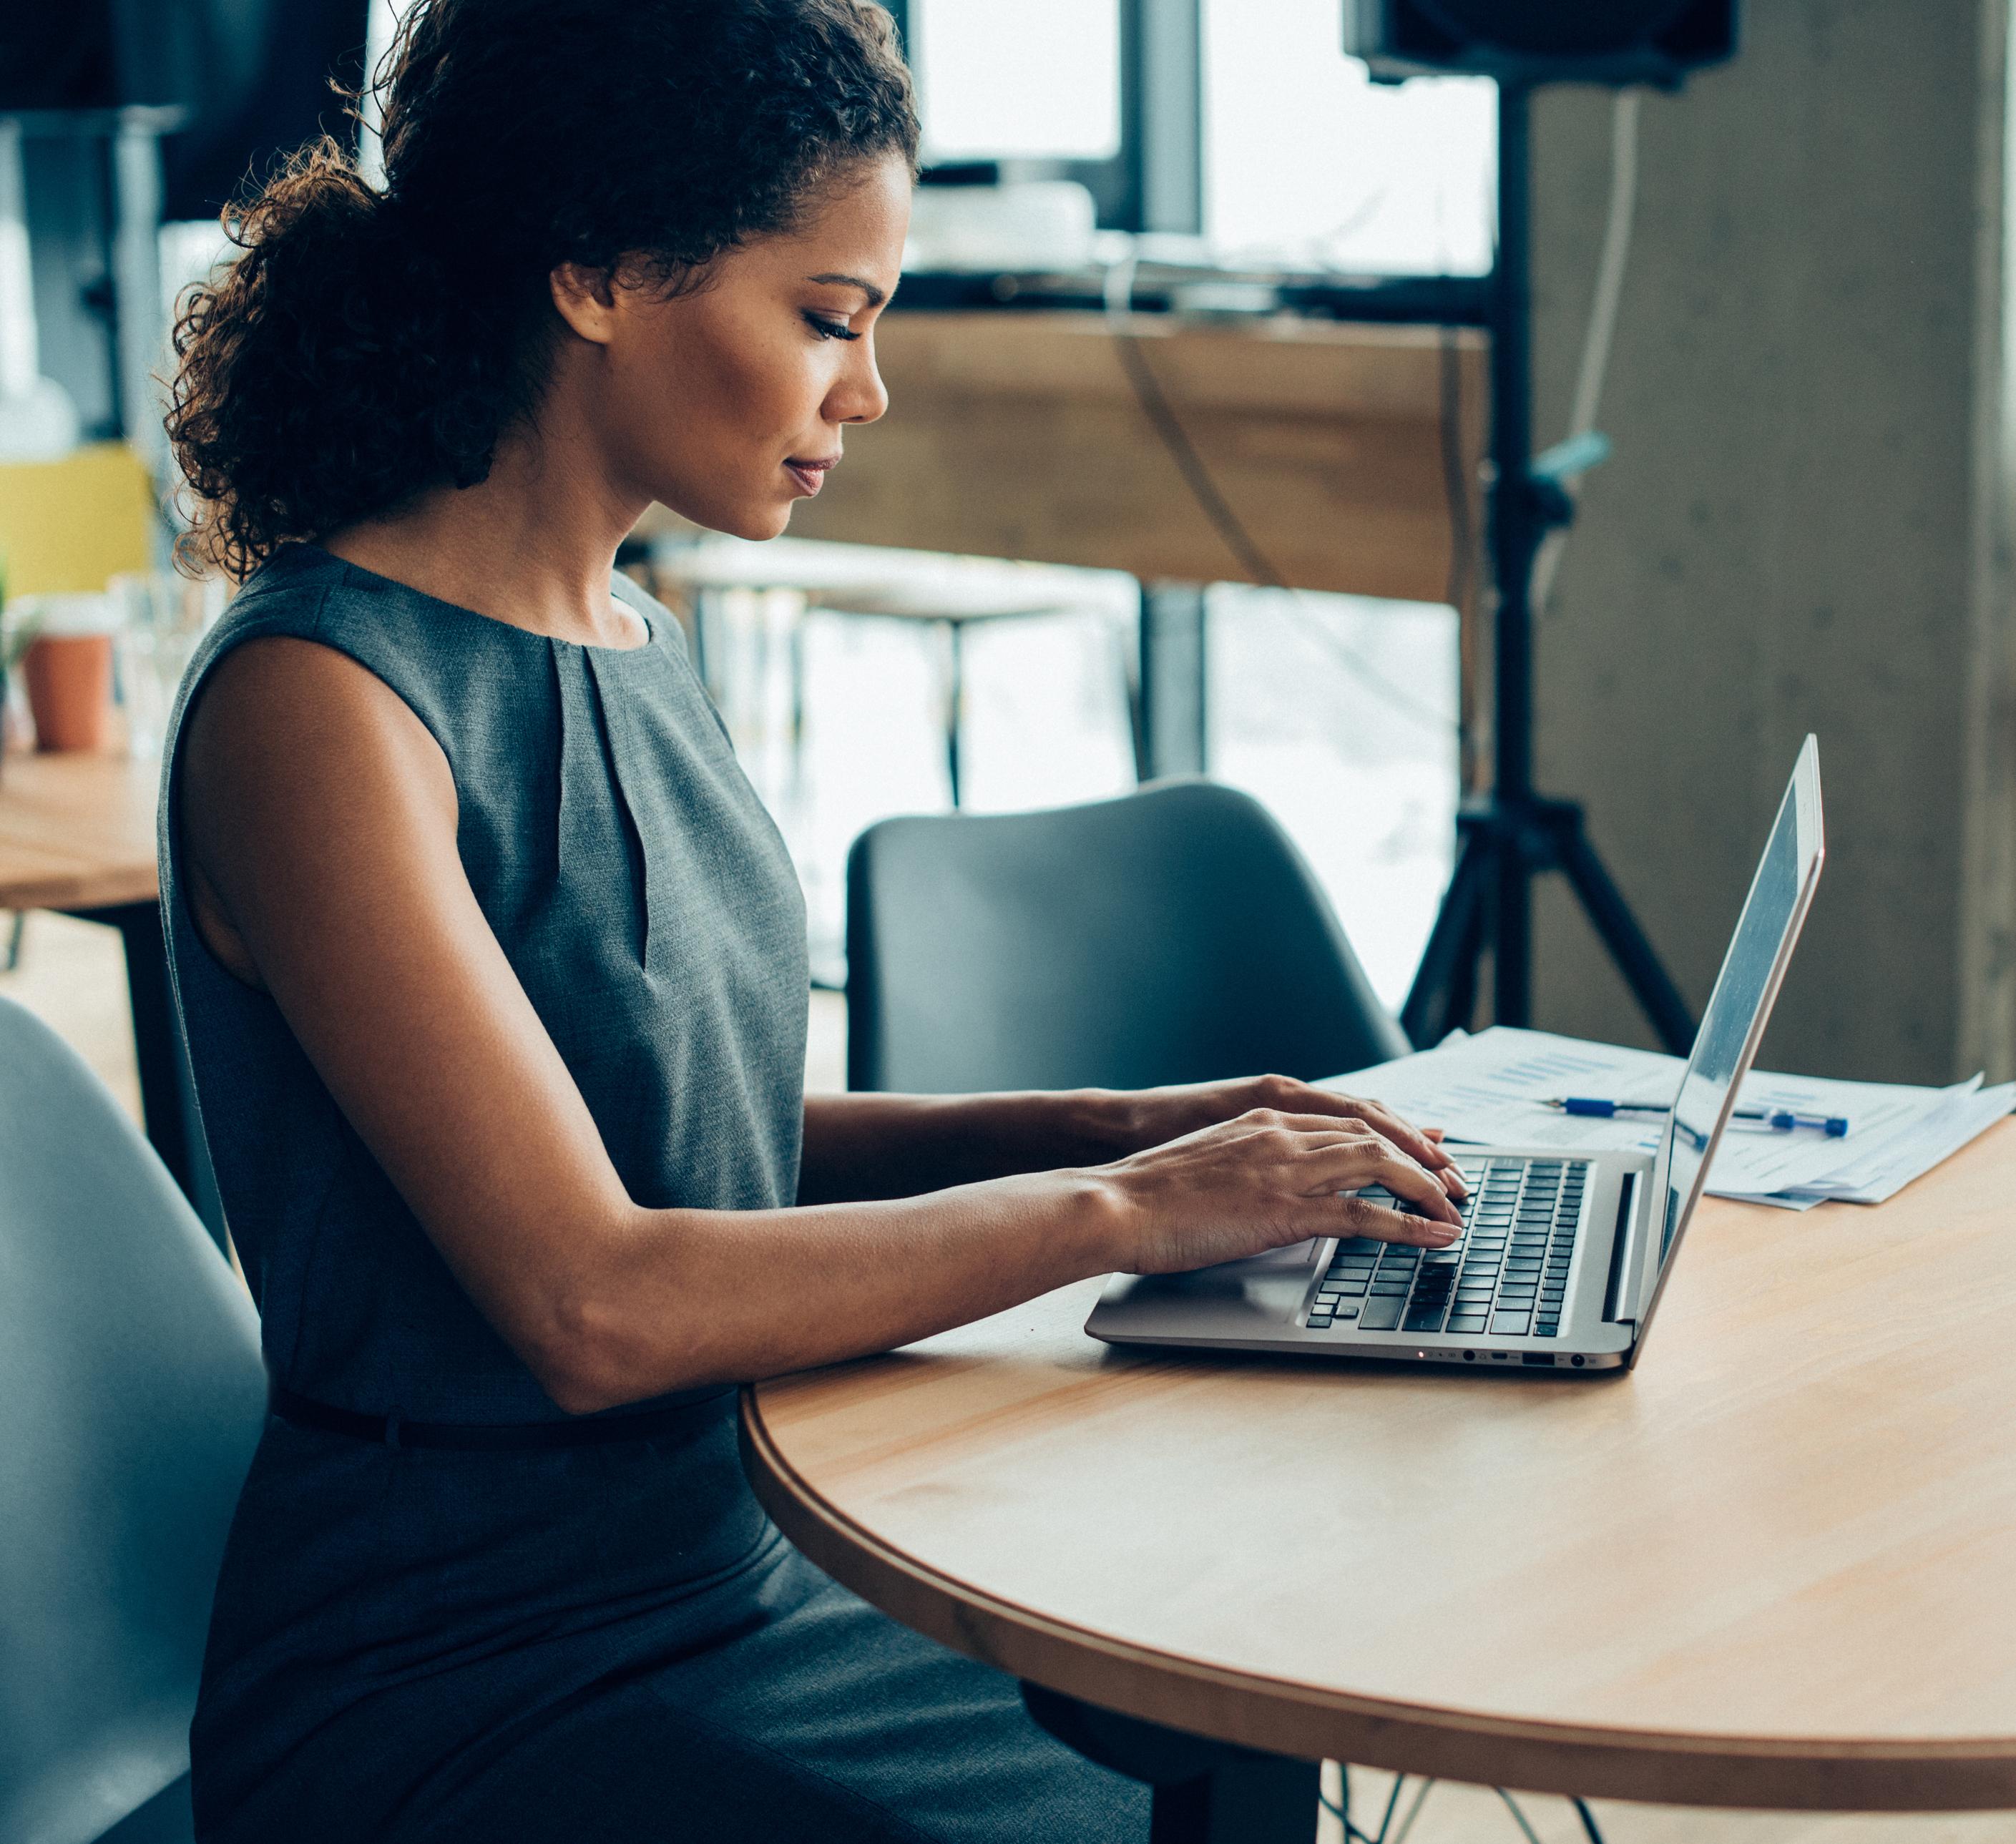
367,346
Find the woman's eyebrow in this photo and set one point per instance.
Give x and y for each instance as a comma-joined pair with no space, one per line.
876,297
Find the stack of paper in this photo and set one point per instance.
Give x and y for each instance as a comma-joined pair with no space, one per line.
1492,1088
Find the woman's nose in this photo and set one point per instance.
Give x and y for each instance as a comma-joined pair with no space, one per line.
859,395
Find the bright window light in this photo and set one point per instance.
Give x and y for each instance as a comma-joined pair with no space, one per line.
1039,80
1307,160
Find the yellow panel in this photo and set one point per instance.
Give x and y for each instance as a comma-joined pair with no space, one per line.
70,524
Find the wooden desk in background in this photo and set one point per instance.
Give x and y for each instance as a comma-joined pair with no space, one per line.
1349,455
1020,435
1771,1567
76,834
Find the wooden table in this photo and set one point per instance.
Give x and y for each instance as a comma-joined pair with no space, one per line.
1774,1567
76,834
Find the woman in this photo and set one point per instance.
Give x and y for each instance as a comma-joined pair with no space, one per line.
493,972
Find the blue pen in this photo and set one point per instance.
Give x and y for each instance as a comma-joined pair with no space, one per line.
1778,1119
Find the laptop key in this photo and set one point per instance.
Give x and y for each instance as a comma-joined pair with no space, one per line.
1466,1322
1380,1315
1509,1324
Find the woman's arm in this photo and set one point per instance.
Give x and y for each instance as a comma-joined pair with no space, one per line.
859,1146
897,1145
319,817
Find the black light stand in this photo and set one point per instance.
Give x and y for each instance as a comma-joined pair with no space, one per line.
1507,837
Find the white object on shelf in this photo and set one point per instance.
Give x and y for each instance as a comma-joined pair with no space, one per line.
1037,223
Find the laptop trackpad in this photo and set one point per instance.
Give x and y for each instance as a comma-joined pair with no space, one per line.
1271,1286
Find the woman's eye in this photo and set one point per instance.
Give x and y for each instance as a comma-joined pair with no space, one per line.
830,329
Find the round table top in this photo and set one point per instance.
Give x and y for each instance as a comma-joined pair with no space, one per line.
76,830
1774,1566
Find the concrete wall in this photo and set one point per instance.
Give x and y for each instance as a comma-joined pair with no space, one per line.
1803,527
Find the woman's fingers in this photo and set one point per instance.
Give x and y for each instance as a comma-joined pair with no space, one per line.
1359,1218
1401,1175
1352,1160
1416,1145
1423,1147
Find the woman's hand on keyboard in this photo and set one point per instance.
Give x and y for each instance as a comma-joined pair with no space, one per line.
1150,1116
1267,1178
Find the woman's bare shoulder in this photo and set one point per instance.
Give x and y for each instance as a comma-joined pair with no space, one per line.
300,769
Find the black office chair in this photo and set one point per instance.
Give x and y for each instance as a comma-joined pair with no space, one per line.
1173,935
133,1394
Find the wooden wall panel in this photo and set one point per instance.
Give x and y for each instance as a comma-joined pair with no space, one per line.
1018,435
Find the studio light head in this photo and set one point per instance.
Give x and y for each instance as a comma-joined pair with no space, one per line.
1530,41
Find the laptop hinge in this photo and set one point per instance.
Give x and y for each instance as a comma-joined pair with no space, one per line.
1623,1244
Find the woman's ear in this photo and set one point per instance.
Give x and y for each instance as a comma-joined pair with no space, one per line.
585,298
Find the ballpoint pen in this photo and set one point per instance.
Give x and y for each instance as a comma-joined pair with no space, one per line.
1779,1119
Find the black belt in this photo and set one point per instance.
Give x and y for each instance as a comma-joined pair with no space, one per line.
395,1430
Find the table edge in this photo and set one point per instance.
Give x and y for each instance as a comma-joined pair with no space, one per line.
67,893
1766,1773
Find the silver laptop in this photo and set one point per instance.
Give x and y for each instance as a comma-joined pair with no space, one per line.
1563,1255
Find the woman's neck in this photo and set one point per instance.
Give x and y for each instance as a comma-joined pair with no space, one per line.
532,544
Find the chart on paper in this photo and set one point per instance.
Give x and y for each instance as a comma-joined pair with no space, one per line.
1493,1087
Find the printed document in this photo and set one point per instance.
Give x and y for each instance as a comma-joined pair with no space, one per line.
1491,1087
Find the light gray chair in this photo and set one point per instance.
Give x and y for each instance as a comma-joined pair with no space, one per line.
134,1395
1172,935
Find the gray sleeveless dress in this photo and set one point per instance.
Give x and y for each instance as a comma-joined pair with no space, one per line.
610,1640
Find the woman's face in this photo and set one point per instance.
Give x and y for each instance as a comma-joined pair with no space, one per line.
727,403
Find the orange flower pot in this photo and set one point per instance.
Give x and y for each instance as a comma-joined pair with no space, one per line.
69,678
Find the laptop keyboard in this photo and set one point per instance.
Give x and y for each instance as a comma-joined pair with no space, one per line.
1506,1276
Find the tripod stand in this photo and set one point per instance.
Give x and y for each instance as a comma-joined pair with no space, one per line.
1510,835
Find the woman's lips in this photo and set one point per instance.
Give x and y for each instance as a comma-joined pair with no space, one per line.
810,475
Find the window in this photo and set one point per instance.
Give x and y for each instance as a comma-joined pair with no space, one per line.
1305,159
1039,80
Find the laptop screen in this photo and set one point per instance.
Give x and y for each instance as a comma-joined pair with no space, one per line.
1742,989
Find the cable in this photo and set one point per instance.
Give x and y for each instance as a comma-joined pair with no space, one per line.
1519,1817
1602,313
1392,1799
1463,552
1351,1834
1413,1812
1456,486
1162,418
1588,1819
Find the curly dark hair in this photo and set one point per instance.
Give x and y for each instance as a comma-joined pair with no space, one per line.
367,345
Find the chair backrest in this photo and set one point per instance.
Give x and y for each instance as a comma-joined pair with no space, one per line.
1173,935
132,1396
